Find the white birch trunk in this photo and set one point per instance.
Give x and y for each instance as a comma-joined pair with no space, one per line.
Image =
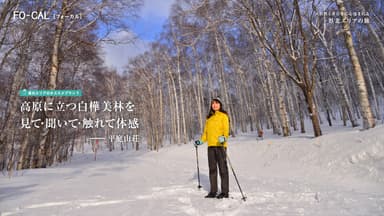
368,119
52,83
375,102
283,110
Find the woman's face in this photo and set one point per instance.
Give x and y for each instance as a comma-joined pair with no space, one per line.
215,105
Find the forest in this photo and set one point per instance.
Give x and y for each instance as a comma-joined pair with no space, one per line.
277,65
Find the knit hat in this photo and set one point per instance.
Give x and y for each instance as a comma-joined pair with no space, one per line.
217,99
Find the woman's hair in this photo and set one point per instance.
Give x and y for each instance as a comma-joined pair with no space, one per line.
211,111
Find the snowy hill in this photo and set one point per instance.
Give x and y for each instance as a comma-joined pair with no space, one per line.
340,173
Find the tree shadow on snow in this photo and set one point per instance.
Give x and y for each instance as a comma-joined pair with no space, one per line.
7,192
204,181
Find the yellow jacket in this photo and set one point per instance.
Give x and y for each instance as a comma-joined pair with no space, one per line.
217,125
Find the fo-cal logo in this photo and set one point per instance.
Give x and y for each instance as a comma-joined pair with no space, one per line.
35,15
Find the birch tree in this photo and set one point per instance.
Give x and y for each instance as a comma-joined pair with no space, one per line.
368,119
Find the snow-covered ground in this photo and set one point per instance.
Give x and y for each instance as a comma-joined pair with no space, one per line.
339,173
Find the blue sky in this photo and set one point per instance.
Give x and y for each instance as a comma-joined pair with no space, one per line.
147,27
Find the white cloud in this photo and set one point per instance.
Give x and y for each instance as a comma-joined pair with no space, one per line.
117,55
156,8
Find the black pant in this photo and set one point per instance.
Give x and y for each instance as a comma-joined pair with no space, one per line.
217,158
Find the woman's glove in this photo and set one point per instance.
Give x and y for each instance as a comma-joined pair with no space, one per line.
198,142
222,139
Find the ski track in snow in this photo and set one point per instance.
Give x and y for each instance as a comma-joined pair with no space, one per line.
340,173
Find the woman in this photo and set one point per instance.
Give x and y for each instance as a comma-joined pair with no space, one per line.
216,132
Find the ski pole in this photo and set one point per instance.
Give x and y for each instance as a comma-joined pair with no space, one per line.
233,171
198,170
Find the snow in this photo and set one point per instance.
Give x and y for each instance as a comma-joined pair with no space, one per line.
339,173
